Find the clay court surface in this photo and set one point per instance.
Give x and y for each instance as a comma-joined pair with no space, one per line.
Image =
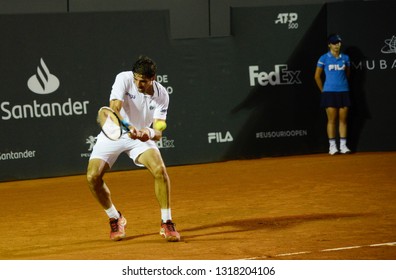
311,207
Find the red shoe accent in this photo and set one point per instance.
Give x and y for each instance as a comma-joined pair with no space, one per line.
168,231
117,228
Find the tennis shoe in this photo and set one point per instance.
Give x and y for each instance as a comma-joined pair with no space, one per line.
344,150
117,228
168,231
333,150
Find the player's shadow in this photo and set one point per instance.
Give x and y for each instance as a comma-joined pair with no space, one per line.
359,112
245,225
276,223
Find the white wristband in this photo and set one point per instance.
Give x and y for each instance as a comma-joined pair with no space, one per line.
151,132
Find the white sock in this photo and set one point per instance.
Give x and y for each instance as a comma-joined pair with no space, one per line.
343,141
332,142
166,214
112,212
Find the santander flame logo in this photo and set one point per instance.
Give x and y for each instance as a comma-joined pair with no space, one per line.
43,82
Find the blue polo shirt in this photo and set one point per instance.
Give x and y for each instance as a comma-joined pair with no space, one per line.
334,68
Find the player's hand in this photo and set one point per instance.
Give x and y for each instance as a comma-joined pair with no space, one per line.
133,133
143,135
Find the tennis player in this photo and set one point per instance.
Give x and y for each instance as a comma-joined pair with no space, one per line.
335,92
139,101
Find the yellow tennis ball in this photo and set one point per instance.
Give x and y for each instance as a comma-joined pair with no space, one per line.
160,125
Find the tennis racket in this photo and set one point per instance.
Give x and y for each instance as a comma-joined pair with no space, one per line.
110,124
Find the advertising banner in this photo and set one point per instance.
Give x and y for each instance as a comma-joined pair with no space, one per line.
248,95
277,50
56,71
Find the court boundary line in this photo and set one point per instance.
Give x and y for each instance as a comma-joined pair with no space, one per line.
324,250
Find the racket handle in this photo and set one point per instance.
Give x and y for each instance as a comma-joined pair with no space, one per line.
125,124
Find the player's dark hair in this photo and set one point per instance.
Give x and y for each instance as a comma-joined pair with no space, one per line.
145,66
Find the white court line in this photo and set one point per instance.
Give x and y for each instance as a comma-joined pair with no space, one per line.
383,244
291,254
326,250
342,248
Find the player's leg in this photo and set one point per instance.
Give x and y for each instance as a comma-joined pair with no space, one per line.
332,115
343,114
152,160
96,170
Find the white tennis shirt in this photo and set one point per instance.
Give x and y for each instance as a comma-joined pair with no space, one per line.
139,109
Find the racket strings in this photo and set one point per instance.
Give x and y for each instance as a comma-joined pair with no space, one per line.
110,124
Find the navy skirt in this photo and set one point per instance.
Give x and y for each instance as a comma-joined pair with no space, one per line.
335,99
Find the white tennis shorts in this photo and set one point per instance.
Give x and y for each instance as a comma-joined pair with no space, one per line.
109,150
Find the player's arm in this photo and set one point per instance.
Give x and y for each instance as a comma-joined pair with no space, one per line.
116,105
318,78
154,133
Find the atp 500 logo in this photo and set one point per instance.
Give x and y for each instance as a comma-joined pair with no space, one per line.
288,18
